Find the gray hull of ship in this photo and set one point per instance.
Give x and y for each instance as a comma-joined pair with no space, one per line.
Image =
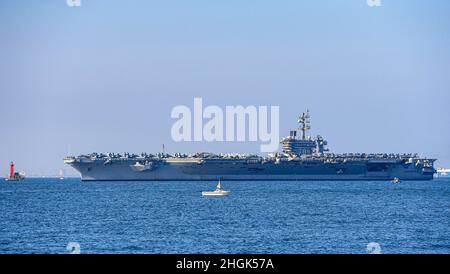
122,170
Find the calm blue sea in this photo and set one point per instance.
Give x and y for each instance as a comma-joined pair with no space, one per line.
45,215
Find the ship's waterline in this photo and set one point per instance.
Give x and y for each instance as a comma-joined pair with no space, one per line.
302,158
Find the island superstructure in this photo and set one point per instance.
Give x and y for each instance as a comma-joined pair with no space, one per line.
302,158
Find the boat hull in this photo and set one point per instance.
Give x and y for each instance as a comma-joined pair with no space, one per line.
215,193
121,170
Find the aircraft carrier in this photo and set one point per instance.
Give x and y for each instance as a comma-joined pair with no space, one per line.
302,158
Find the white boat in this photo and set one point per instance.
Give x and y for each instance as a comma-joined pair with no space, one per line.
396,180
61,174
442,172
217,192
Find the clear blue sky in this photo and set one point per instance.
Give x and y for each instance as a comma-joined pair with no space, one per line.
105,76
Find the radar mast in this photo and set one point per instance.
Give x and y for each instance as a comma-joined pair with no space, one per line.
304,122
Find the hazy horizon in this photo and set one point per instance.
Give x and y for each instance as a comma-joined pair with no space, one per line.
105,76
